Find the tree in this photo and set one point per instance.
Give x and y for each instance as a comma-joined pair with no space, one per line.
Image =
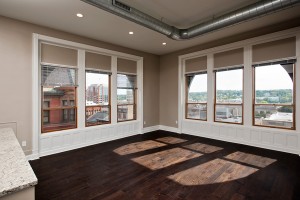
285,109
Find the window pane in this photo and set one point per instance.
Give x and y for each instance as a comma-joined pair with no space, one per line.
96,115
59,119
274,84
197,111
197,88
229,86
126,112
58,97
270,115
97,89
57,114
229,113
58,76
125,96
126,81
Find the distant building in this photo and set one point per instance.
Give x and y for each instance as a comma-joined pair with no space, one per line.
97,93
229,114
279,119
59,97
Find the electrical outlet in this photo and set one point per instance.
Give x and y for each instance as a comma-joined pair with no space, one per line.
24,144
144,122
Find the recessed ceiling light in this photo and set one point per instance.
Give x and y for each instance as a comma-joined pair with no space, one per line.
130,33
79,15
164,43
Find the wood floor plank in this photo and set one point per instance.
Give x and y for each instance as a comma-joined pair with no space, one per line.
164,166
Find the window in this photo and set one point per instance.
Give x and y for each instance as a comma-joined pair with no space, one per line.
229,95
126,96
97,98
196,95
46,112
274,104
59,85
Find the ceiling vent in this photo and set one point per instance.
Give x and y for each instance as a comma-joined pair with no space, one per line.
121,5
253,11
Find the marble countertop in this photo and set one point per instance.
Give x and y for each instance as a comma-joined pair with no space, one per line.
15,171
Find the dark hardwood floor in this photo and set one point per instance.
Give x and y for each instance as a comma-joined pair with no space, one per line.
163,165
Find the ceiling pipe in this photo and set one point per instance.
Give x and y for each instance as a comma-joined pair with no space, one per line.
249,12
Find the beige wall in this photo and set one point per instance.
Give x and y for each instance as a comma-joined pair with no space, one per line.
16,74
168,101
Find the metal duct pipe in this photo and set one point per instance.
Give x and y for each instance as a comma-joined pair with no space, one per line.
246,13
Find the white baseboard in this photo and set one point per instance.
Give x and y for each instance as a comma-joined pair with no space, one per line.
168,128
33,156
151,129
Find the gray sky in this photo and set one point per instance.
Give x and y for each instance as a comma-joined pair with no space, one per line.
267,78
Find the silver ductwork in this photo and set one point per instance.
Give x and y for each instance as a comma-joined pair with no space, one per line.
252,11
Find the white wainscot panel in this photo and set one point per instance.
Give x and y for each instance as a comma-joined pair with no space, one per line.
215,130
223,131
279,139
45,143
267,137
255,135
56,142
275,139
292,141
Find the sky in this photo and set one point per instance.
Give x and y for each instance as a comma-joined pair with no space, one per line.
272,77
267,78
94,78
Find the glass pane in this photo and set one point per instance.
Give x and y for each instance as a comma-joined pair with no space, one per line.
197,111
229,86
58,96
274,84
197,88
126,112
97,89
59,119
57,114
96,115
277,116
125,96
58,76
229,113
126,81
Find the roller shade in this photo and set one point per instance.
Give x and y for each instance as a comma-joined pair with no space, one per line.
126,66
58,55
58,76
281,62
196,64
126,81
229,58
97,61
274,50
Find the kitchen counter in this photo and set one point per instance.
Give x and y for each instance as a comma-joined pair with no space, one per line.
16,173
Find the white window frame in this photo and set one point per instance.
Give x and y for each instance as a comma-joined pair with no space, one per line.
81,49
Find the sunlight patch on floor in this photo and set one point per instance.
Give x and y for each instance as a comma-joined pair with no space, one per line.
166,158
203,148
138,147
251,159
171,140
214,171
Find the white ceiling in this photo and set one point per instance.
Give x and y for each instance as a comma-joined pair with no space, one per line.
101,25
